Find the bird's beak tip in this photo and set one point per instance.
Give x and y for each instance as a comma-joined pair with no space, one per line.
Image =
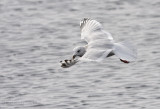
73,56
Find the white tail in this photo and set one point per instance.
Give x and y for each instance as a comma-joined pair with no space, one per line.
125,51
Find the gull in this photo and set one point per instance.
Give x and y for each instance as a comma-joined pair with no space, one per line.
100,44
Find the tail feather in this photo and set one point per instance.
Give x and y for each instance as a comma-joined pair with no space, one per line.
125,51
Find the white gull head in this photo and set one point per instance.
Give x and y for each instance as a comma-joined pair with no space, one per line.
79,51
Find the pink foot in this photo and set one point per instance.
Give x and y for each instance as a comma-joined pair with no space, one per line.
124,61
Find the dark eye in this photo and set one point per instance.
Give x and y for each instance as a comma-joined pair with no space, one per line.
78,51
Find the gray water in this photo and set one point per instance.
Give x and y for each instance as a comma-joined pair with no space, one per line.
36,34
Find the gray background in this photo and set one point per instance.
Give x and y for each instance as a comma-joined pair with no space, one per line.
36,34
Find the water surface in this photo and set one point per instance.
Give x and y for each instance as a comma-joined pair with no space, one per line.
37,34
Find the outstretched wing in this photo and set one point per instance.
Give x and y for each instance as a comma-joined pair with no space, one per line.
99,41
92,30
125,50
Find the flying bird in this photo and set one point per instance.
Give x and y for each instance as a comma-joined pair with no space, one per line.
100,44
